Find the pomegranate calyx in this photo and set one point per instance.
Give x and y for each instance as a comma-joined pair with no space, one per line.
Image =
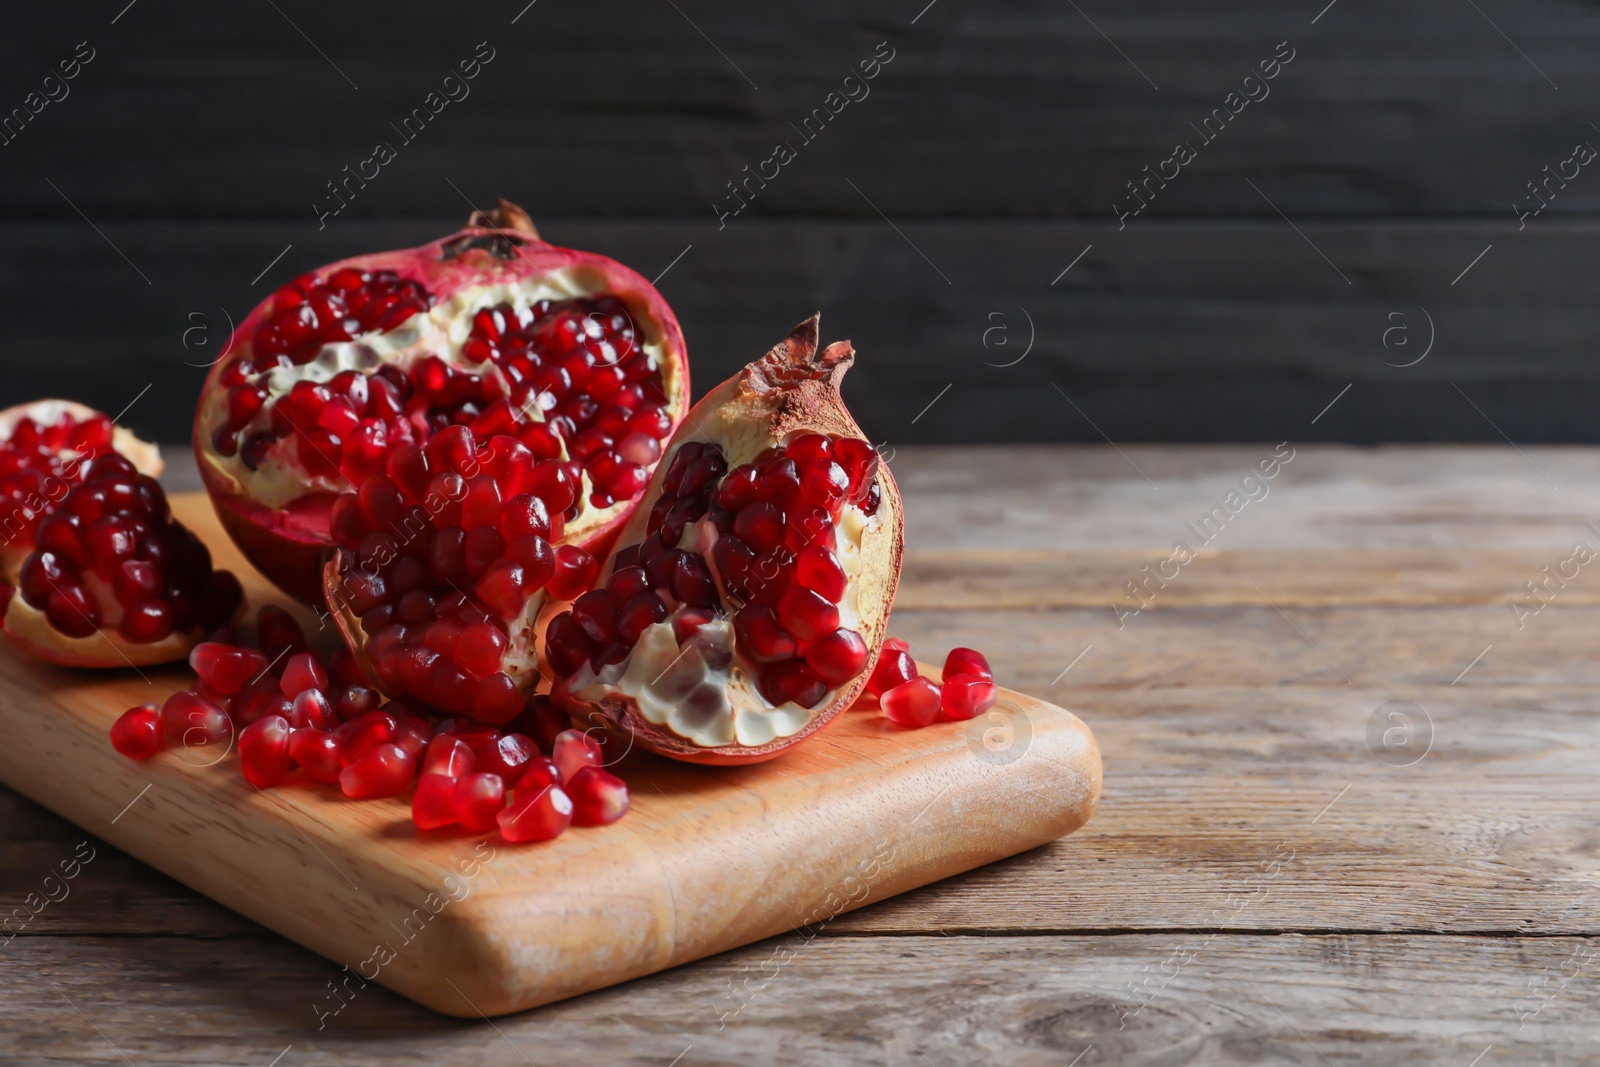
510,228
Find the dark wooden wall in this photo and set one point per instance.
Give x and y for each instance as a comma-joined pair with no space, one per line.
997,141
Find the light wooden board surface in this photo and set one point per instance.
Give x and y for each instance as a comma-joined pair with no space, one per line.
1231,901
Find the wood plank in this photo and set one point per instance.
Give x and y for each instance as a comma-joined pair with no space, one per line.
1132,999
1016,111
1206,331
707,859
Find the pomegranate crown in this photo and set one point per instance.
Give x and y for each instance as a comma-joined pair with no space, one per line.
796,359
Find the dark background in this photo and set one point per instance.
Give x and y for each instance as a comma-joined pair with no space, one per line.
996,141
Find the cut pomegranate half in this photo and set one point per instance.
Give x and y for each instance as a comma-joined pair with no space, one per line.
444,562
114,580
491,328
746,604
45,447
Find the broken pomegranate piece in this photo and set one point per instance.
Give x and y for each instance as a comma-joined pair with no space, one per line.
573,355
45,449
744,605
445,557
114,580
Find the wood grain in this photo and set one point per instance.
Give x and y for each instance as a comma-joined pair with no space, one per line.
1425,909
705,861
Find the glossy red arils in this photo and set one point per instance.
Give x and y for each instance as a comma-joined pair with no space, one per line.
967,661
761,637
818,569
807,614
311,708
895,667
385,771
356,700
479,799
838,657
542,721
575,571
317,754
448,756
574,750
302,672
507,756
412,734
598,797
137,732
264,757
792,681
191,721
359,736
276,631
915,703
434,803
225,668
496,699
536,815
966,696
539,772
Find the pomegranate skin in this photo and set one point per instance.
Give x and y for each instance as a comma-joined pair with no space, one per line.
790,392
290,542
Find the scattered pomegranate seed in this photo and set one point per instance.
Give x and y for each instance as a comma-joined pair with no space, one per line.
317,753
536,815
895,667
915,703
574,750
385,771
598,797
303,672
224,668
966,696
264,751
434,803
448,756
967,661
137,732
191,721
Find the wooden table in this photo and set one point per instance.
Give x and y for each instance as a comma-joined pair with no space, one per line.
1348,812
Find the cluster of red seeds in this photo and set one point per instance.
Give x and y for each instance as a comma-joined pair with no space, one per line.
775,553
33,456
583,363
912,700
112,548
577,361
297,717
444,549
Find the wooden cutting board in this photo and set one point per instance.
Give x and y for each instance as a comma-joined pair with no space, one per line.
706,860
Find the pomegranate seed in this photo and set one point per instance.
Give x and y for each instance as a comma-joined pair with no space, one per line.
317,753
838,657
895,667
301,673
264,751
819,570
598,797
894,644
967,696
360,735
448,756
507,757
542,721
915,703
385,771
807,614
277,630
356,700
967,661
137,732
572,751
412,735
792,681
760,636
539,772
575,571
192,721
311,708
539,816
479,800
434,803
497,699
224,668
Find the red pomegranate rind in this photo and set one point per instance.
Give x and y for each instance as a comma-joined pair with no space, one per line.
729,628
114,580
45,448
571,353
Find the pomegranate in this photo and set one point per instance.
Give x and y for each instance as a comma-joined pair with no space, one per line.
575,356
445,558
747,599
114,580
45,448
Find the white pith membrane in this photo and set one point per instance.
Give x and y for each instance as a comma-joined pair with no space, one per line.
706,693
441,331
30,627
